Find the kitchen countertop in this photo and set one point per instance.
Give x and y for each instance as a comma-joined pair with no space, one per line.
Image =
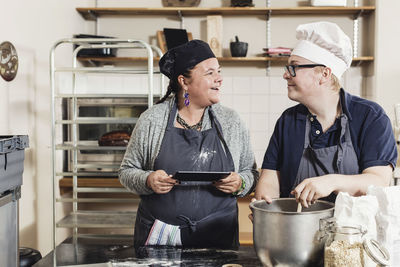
119,252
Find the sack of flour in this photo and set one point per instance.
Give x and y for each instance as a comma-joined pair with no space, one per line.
353,211
357,211
388,219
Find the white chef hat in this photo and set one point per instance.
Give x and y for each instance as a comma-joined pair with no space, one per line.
324,43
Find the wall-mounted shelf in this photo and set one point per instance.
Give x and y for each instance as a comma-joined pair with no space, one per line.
92,13
103,60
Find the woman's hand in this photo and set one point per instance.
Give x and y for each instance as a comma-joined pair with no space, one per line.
230,184
160,182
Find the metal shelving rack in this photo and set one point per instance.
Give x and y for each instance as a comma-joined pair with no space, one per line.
89,218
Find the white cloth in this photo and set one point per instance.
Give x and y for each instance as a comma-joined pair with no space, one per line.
164,234
324,43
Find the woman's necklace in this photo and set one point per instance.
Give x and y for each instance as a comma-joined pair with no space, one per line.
184,124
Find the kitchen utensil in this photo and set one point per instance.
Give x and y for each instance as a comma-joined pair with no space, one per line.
283,236
215,34
187,3
238,49
299,207
8,61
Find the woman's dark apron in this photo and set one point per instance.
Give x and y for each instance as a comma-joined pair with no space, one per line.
339,159
207,216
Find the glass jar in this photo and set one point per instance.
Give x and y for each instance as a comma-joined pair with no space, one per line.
347,246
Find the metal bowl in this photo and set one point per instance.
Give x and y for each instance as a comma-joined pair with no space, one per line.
283,236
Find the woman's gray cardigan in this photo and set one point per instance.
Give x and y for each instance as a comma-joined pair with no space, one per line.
148,134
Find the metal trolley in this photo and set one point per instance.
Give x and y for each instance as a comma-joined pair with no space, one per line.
90,218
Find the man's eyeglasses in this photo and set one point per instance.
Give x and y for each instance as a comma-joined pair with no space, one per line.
292,68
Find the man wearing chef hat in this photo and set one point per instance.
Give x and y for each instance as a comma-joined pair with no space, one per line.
331,141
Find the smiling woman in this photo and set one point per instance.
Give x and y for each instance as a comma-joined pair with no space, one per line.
189,132
202,88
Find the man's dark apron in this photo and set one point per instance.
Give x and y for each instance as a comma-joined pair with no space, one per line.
207,216
340,159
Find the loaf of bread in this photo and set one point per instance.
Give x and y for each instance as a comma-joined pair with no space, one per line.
115,138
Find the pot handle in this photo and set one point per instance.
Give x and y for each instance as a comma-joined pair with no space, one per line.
251,207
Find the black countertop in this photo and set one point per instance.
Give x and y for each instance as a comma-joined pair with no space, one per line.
120,253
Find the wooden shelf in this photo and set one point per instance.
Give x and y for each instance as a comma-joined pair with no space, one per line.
220,59
100,219
92,13
91,182
65,183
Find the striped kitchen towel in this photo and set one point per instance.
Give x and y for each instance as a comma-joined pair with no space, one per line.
164,234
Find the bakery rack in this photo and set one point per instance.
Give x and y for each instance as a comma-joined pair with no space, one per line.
78,218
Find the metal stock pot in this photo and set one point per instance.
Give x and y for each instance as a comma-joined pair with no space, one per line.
283,236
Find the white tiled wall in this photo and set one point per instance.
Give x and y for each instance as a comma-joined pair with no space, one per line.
260,100
107,84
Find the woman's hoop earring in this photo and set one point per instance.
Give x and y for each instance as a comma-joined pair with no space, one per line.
186,96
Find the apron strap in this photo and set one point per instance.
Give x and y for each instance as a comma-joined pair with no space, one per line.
172,116
307,132
218,127
193,224
315,160
189,223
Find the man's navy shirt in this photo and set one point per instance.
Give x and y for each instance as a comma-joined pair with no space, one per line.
370,130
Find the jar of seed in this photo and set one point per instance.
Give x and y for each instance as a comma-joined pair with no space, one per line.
347,245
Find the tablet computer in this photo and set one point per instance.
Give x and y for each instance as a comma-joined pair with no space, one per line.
200,176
